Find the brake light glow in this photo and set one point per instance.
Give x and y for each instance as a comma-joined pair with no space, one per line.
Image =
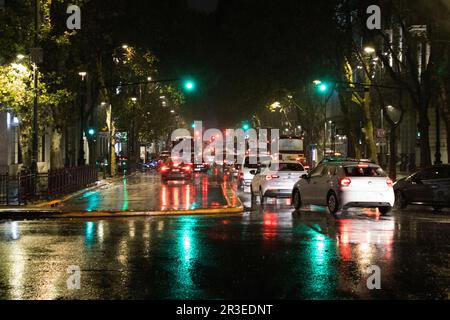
345,182
187,168
363,165
389,182
270,177
165,168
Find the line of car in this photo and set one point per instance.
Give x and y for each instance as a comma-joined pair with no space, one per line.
342,183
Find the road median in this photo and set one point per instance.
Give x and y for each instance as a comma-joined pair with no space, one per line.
53,209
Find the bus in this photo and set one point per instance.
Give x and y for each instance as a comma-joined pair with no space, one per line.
292,148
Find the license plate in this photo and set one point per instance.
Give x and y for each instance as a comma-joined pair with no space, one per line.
176,170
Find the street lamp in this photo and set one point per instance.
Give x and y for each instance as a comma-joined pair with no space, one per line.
369,50
82,74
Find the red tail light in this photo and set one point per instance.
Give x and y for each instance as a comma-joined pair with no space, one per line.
270,177
187,168
363,166
345,182
164,168
389,182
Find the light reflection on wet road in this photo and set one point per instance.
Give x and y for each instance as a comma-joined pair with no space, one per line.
272,252
145,192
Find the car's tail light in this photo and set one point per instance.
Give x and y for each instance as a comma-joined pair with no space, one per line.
187,168
270,177
164,168
345,182
389,182
306,167
363,165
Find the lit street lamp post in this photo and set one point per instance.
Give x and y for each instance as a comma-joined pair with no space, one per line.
81,160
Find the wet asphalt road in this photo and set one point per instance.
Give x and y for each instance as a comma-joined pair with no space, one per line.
146,192
270,252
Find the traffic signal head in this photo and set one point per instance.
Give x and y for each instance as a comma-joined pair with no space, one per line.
91,132
245,126
322,87
189,85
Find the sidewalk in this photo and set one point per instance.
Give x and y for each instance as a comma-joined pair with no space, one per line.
137,195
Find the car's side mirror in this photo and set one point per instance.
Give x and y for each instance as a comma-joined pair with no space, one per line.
253,172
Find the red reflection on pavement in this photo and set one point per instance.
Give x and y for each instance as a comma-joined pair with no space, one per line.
164,197
270,225
205,191
176,198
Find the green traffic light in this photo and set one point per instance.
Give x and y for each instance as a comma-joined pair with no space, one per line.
189,86
91,132
323,87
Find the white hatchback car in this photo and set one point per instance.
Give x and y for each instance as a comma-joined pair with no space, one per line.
249,164
345,184
276,180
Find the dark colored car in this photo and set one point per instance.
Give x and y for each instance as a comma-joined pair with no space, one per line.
429,186
173,171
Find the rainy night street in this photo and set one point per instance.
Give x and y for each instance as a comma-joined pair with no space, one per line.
265,252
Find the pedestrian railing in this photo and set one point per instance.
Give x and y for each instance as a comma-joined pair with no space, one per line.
26,187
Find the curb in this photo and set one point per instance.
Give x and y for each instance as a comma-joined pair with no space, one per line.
107,214
56,202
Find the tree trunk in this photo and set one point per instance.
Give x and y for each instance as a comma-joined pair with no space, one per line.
56,155
368,128
423,126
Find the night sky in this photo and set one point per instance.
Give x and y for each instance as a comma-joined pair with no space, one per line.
203,5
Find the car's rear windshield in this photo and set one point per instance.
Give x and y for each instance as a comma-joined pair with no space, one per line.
364,171
254,162
290,167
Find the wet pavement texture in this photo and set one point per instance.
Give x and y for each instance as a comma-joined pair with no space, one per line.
270,252
146,192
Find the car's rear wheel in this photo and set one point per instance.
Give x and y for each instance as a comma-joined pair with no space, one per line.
296,199
333,203
400,201
384,210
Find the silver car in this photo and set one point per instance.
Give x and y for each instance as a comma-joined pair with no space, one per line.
344,184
